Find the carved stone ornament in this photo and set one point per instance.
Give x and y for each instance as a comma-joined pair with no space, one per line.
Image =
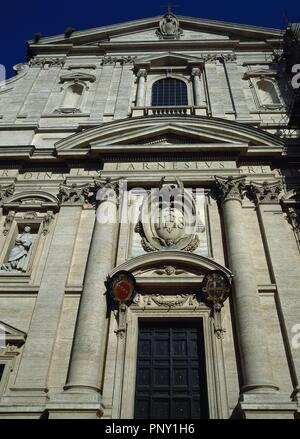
20,67
47,220
169,270
8,222
9,349
155,301
118,59
226,188
108,189
73,194
168,219
214,291
293,219
169,27
266,192
6,191
51,62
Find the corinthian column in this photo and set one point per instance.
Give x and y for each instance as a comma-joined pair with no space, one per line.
87,357
254,356
140,98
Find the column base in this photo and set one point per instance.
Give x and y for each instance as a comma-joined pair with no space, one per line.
63,405
81,388
265,406
259,388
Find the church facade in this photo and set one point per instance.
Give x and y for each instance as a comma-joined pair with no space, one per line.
149,229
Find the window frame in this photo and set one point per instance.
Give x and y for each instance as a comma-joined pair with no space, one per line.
179,92
152,78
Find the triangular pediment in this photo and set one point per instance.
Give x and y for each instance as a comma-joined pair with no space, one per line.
257,73
12,335
168,59
194,29
77,76
185,134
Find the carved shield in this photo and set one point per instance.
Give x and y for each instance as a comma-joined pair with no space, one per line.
168,220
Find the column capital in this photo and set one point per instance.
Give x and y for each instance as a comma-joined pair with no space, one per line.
196,71
142,73
227,188
73,194
266,192
107,189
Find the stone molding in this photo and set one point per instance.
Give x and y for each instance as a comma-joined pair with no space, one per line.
77,76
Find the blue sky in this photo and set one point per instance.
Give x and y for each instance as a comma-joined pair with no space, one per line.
22,19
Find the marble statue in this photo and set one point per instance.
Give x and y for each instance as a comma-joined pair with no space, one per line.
20,253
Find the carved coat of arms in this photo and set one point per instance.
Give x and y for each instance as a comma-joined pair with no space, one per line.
169,27
168,219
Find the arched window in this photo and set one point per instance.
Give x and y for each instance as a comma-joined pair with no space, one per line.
267,93
169,92
72,97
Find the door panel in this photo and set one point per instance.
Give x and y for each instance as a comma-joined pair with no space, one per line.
171,374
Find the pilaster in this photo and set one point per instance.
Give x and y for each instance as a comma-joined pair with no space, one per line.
33,372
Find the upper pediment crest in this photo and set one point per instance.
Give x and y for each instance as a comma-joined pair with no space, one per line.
169,27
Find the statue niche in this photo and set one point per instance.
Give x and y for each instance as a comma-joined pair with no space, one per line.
19,255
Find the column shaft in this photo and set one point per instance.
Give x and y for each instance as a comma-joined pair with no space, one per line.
253,350
254,355
90,337
140,99
196,86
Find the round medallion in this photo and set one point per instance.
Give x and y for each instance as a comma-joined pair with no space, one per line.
122,286
215,287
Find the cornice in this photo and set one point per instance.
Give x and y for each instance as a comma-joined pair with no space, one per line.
144,23
137,46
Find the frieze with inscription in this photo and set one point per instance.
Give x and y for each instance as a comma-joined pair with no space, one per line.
188,166
185,166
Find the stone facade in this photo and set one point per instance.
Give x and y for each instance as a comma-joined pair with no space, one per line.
81,147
